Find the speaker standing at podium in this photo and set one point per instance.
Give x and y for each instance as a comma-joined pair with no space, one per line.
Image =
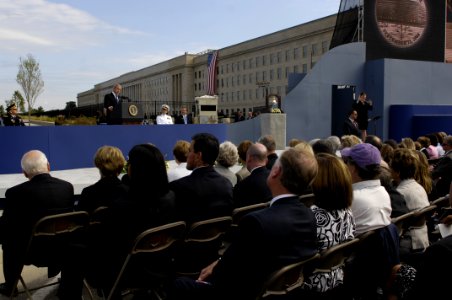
111,103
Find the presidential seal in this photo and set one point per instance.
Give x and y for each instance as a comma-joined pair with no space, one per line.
133,110
401,22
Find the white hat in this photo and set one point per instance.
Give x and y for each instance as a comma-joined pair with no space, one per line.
165,106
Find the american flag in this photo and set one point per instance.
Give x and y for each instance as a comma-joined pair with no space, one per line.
211,72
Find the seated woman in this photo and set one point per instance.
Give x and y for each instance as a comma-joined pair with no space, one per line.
148,203
227,157
333,192
110,162
404,165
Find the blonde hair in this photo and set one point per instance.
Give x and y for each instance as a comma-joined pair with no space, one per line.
109,160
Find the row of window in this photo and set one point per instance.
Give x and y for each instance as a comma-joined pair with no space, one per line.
273,58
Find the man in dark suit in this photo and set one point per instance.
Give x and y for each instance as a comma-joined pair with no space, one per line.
184,117
253,189
111,105
350,126
205,193
25,204
269,142
442,170
267,239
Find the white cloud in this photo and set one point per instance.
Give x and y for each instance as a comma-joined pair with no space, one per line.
38,23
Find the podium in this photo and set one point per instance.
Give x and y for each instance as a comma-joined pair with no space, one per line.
129,113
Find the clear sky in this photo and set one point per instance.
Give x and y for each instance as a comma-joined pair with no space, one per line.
79,43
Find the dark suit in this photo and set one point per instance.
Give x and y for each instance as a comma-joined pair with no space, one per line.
202,195
349,128
25,204
11,120
442,174
268,239
102,193
180,119
271,160
363,117
111,116
253,189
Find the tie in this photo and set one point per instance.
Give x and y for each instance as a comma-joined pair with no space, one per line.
185,119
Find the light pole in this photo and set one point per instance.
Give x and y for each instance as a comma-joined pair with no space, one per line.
264,84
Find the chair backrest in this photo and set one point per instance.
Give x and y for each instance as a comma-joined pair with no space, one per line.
336,256
154,241
208,230
307,199
288,278
441,201
403,222
240,212
159,238
60,224
421,215
98,215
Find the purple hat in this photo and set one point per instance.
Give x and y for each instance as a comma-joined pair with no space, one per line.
363,154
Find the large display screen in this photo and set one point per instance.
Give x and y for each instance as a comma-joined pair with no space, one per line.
405,29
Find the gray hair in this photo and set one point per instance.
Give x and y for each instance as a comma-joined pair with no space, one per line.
228,154
33,163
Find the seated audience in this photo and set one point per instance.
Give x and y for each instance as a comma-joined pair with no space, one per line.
374,140
25,204
407,143
148,203
110,162
268,238
425,144
242,149
398,203
333,192
253,189
203,194
442,170
180,152
269,142
348,141
371,205
323,146
227,157
404,165
371,266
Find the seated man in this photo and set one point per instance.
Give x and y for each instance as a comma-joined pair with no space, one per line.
267,239
205,193
25,204
253,189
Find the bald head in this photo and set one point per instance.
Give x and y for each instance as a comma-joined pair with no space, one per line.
256,156
33,163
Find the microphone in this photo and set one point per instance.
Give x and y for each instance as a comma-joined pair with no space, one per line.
124,97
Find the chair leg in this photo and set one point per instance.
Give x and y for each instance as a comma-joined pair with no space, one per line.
25,287
88,288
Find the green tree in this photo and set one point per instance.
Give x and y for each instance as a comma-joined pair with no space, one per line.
40,110
30,80
19,100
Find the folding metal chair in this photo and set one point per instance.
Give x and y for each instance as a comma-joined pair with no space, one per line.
202,244
149,246
52,231
288,278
